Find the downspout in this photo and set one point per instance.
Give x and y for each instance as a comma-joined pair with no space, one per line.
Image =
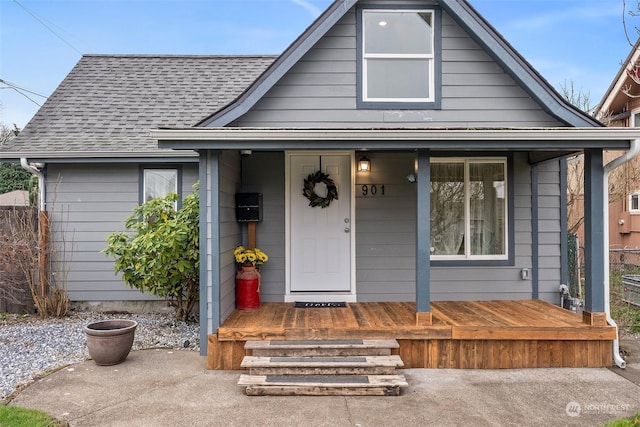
43,226
634,149
33,168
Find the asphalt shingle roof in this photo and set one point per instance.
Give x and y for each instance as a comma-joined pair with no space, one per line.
109,103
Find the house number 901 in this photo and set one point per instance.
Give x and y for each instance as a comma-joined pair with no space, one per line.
373,189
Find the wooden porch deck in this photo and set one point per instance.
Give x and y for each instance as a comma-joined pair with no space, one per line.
464,334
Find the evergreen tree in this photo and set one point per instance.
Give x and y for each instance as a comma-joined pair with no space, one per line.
12,176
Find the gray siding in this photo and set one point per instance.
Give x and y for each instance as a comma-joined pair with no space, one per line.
386,230
87,202
264,173
230,230
386,242
385,235
495,282
320,90
550,224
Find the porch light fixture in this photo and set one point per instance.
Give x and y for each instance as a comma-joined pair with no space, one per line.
364,164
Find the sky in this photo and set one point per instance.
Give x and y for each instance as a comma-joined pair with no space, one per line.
579,42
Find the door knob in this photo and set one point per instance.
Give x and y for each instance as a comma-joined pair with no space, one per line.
347,229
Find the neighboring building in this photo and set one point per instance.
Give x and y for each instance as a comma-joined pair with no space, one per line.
15,198
620,107
425,90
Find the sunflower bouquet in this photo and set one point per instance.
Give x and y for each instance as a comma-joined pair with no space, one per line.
246,257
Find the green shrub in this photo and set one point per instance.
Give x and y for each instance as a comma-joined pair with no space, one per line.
160,253
626,315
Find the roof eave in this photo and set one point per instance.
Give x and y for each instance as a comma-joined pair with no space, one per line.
621,77
386,139
88,156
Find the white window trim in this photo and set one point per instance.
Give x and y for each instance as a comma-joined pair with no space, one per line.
632,118
467,209
144,181
634,193
430,57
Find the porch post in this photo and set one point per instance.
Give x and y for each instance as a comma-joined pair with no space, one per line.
209,247
423,240
594,227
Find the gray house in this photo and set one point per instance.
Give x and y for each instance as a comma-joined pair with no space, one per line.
452,239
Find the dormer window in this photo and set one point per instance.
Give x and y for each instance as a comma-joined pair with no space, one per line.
398,66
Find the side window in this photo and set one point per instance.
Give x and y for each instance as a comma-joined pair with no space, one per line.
398,58
159,182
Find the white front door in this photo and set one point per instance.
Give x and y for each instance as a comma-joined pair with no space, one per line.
320,239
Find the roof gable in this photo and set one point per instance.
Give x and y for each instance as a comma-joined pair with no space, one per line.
281,65
519,69
464,15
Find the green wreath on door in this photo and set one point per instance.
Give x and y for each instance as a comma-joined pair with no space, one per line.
309,191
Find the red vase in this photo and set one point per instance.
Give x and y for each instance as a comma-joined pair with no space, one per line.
248,288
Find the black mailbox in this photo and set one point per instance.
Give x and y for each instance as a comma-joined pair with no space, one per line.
248,207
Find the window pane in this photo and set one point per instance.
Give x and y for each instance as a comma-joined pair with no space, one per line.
636,120
398,32
398,78
487,207
447,208
159,183
634,202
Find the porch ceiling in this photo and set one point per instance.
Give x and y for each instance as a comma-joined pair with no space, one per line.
513,139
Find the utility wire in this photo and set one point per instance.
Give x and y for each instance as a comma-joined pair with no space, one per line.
13,85
46,26
22,91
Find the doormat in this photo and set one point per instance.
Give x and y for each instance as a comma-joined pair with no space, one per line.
299,304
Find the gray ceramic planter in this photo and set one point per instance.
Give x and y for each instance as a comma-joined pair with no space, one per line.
109,341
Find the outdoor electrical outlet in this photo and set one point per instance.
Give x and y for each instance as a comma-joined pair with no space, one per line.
524,273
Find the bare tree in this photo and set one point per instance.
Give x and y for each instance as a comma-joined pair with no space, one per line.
7,134
575,164
632,12
17,245
576,97
575,193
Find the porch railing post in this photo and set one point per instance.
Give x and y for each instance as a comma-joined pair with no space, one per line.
423,239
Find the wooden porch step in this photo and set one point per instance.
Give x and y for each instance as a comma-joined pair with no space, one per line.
322,367
322,385
325,365
301,348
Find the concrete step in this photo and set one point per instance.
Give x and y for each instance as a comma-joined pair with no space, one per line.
323,385
302,348
325,365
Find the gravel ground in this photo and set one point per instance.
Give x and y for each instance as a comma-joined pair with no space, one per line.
31,347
